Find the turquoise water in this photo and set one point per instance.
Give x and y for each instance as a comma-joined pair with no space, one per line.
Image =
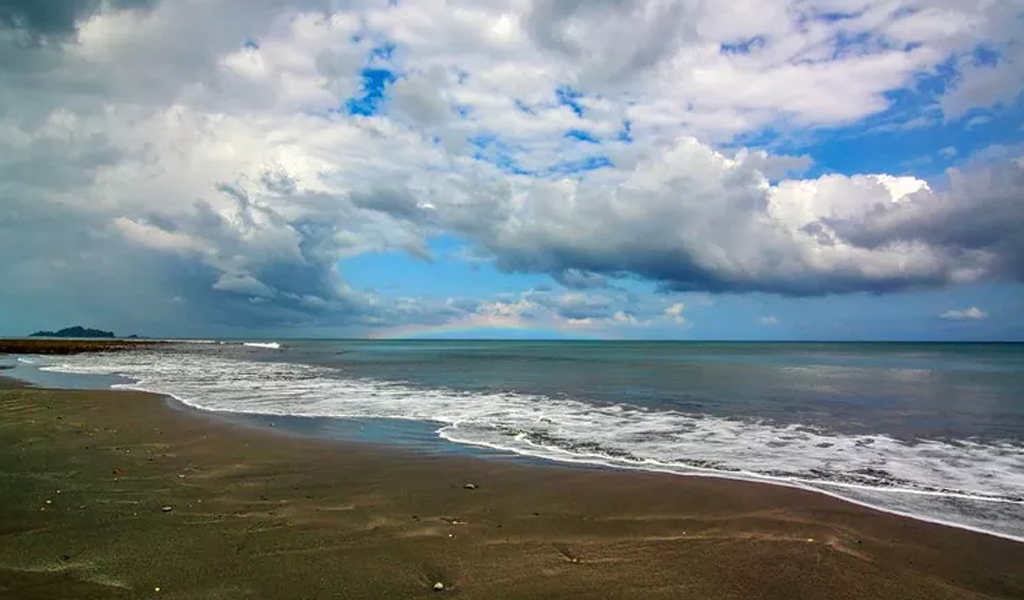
931,430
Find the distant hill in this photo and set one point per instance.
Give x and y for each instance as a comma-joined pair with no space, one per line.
75,332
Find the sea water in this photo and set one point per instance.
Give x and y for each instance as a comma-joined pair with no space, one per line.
934,431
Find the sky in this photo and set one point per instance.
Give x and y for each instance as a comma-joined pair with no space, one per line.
596,169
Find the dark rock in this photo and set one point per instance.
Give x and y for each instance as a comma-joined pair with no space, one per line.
75,332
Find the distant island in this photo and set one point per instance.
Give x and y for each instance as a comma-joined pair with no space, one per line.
78,332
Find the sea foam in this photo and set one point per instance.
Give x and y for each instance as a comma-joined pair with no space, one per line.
966,483
268,345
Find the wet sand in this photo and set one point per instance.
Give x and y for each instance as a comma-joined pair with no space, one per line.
88,476
69,346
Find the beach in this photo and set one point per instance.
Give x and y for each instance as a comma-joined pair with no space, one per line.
111,494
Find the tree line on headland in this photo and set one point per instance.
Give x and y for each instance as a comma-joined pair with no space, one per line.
79,332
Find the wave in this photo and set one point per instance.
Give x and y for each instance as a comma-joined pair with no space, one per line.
967,483
269,345
201,342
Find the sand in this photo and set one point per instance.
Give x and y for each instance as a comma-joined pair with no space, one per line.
118,494
69,346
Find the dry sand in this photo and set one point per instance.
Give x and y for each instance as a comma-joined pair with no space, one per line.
85,478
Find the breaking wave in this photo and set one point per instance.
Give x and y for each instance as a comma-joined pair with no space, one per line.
966,483
268,345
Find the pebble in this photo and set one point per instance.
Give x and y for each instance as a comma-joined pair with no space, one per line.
438,587
167,508
470,486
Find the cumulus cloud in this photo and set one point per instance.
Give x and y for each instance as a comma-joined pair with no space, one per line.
675,312
570,312
968,314
204,151
769,321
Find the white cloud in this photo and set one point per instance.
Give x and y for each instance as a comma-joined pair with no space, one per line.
978,121
675,312
769,321
968,314
159,137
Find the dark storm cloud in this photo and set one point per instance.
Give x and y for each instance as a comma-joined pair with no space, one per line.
58,17
677,271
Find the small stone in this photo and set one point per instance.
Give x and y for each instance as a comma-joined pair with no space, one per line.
167,508
49,501
470,486
156,589
438,587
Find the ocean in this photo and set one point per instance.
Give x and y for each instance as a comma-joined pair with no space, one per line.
933,431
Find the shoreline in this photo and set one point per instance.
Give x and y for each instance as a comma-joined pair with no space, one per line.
534,460
378,522
540,461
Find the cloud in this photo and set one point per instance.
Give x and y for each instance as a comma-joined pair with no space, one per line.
577,279
675,312
58,17
204,151
978,121
697,220
769,321
968,314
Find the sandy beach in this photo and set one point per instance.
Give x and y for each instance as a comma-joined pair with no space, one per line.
121,495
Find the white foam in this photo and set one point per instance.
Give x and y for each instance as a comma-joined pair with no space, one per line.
270,345
204,342
967,483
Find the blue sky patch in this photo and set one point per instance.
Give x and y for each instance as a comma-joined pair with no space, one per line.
743,46
581,136
496,151
374,88
569,97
